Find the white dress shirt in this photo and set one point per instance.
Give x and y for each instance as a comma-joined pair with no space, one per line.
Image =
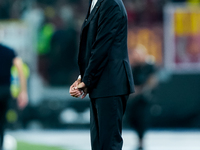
93,4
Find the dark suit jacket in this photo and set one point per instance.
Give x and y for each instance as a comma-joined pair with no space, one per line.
103,55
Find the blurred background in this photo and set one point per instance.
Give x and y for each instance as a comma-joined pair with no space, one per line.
45,34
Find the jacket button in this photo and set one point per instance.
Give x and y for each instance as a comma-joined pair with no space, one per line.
85,19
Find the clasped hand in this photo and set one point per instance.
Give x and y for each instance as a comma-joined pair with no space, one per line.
78,88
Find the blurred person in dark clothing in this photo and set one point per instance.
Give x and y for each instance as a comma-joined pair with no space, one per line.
105,71
138,109
58,46
7,59
62,57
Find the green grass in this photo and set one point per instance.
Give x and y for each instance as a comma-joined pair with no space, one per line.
28,146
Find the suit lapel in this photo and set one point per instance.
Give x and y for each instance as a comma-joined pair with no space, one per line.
91,15
88,13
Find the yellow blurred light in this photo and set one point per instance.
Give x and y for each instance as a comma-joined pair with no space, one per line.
193,2
11,116
149,39
187,21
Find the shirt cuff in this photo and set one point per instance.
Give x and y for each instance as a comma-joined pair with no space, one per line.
79,77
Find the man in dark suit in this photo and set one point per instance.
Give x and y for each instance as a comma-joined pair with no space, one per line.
105,71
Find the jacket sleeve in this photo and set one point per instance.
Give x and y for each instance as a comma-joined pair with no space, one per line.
108,25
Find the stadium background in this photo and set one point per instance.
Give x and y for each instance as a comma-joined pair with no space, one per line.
45,33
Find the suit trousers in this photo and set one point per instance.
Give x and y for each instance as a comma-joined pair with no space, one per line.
106,116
